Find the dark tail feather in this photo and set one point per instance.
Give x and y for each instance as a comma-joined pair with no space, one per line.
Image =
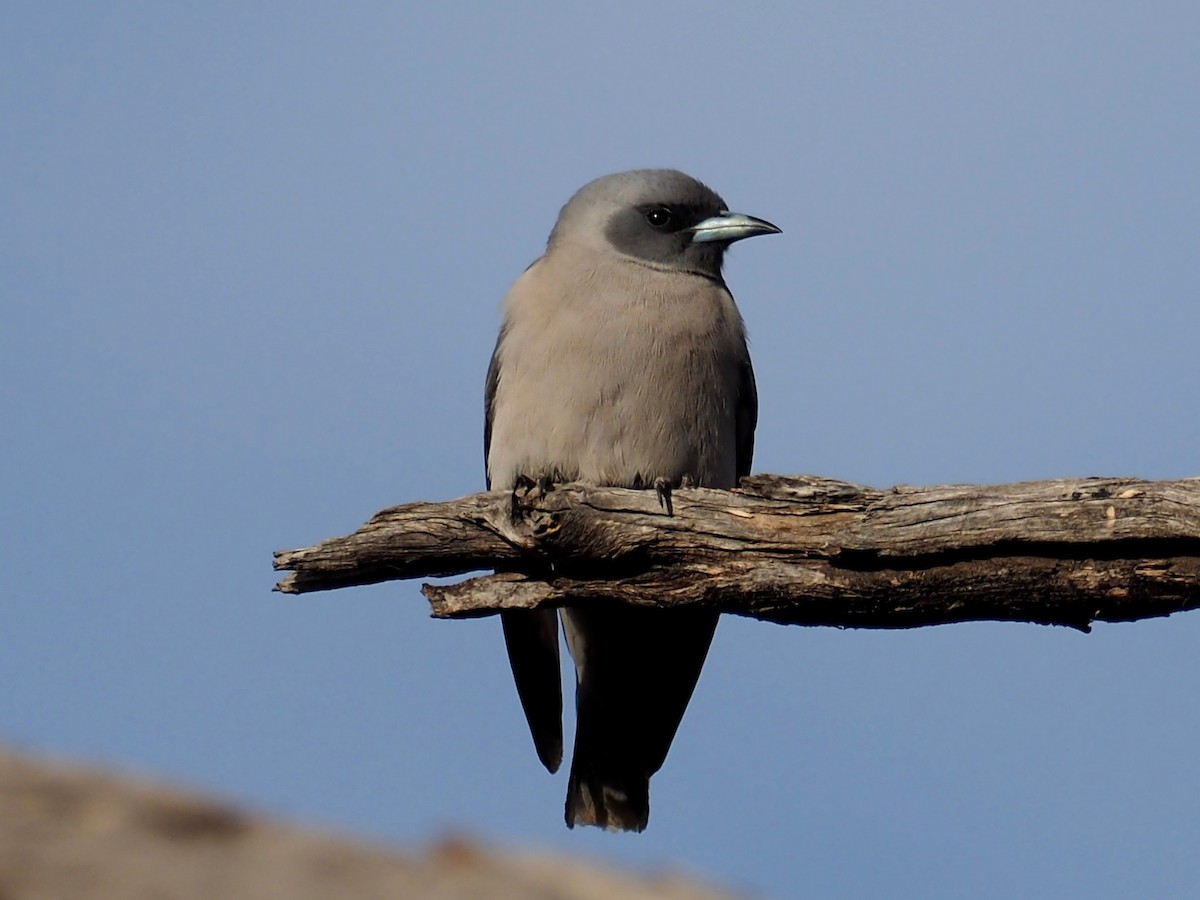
636,670
596,795
532,640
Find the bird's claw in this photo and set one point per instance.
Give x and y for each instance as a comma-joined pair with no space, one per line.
526,492
528,487
662,487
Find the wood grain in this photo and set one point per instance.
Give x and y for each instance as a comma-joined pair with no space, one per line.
797,550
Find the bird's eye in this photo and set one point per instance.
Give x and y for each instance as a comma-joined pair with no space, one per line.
659,217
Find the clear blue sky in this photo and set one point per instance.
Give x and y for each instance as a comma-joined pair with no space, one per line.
251,259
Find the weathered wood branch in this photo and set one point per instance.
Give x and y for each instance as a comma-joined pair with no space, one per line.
800,550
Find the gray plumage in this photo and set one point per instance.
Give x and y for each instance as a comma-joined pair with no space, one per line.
621,361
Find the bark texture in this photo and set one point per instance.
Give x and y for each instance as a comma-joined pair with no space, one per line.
796,550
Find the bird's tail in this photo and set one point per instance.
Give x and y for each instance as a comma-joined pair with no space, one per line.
635,670
617,802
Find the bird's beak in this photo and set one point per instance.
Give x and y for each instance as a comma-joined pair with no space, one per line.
728,227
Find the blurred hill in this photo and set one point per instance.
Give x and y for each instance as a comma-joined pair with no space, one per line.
72,831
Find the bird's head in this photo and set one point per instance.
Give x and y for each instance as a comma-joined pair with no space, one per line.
658,217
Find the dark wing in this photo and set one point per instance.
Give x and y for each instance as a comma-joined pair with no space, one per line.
489,404
747,417
531,636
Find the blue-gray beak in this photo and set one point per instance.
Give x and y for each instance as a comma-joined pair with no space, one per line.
728,227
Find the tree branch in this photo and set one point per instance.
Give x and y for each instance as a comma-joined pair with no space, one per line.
798,550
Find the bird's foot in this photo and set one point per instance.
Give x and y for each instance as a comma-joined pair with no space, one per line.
526,486
526,492
662,487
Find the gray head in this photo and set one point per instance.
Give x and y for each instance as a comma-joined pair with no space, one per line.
658,217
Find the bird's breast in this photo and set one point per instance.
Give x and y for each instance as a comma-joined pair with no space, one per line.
626,380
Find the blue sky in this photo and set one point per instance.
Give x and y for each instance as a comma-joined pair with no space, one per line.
251,259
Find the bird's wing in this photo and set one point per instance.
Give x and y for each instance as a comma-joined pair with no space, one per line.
489,404
747,417
531,636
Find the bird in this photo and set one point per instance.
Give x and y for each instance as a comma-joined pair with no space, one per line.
621,361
